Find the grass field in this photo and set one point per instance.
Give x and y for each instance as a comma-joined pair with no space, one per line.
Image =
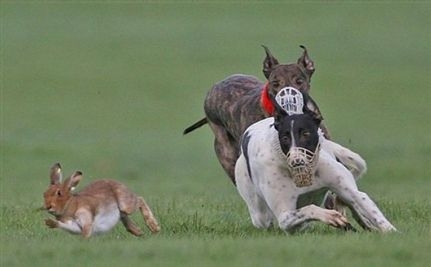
107,88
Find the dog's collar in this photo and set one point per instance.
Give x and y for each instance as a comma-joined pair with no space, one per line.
265,101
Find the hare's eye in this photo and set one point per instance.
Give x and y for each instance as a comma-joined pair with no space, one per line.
58,193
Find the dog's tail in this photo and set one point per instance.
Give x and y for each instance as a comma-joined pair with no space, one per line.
351,160
195,126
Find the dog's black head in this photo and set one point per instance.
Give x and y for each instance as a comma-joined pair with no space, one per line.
299,141
297,75
297,130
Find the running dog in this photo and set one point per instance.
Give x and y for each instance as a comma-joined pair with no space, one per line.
284,170
238,101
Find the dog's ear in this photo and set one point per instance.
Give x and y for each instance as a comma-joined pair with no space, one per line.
306,62
269,62
279,114
311,108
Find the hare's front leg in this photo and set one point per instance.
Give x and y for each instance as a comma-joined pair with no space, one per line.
85,219
68,225
51,223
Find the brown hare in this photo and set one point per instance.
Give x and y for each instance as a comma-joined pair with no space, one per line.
95,209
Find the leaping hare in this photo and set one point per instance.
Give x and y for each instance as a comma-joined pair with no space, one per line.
95,209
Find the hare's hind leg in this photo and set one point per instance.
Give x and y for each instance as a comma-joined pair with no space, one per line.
128,203
130,225
149,218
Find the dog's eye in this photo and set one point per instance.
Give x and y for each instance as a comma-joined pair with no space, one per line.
306,133
275,83
299,81
285,139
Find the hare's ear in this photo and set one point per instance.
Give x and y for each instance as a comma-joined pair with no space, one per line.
55,173
73,180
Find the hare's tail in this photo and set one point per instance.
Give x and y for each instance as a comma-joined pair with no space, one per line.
148,215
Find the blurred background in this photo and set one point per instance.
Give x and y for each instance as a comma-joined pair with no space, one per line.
107,88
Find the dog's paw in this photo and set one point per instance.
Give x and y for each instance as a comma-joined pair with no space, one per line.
334,218
348,228
51,223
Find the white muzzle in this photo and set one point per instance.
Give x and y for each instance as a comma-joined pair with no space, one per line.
290,99
302,164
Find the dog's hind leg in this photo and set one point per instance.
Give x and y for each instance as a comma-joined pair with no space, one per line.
226,150
351,160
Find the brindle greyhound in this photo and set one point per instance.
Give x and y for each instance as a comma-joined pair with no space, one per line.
235,103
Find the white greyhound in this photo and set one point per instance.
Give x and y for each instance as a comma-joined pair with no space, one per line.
285,168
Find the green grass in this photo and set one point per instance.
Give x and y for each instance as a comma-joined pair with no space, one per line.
107,88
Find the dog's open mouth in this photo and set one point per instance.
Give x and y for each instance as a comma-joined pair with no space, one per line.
302,164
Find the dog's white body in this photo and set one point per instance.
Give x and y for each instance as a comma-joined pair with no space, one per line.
264,182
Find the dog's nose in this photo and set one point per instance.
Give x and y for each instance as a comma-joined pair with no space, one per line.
298,162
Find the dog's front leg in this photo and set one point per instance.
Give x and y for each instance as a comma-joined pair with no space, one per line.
342,182
367,211
261,215
281,196
290,220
